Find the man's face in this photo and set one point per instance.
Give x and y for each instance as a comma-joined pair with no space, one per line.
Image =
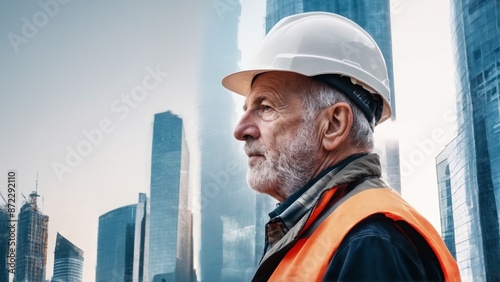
281,146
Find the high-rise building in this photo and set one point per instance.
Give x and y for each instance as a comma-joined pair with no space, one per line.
4,243
375,18
228,206
31,246
68,261
119,248
170,243
469,167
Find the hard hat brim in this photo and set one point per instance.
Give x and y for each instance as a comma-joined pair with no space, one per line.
241,83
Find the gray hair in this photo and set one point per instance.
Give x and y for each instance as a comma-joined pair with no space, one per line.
318,96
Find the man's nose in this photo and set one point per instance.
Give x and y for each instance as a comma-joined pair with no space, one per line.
246,128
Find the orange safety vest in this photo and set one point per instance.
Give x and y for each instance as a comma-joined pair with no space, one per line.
309,258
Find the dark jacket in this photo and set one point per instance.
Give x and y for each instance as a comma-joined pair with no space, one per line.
377,249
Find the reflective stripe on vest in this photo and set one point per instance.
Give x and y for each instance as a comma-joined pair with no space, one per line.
309,258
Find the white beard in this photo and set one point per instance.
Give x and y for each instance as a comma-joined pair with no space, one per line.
287,170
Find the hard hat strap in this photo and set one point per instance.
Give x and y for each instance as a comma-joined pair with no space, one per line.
369,104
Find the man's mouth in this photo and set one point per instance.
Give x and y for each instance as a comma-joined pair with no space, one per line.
253,151
255,156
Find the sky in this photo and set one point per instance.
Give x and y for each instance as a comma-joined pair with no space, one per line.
80,82
424,76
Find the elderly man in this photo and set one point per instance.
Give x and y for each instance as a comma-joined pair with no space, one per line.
316,89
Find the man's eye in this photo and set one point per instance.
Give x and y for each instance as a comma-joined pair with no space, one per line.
265,108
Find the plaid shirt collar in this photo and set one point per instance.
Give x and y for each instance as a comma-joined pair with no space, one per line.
288,213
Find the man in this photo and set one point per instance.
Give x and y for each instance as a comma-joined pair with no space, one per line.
316,89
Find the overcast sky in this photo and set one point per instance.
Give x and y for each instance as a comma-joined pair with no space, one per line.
88,76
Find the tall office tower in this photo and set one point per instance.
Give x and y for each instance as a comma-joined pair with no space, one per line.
471,161
170,222
115,245
4,243
374,17
31,246
68,261
227,251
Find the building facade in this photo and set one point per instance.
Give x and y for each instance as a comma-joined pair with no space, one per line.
115,245
375,18
170,244
445,198
68,261
227,204
472,160
122,243
31,246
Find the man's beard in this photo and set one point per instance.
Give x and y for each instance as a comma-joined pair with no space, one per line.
289,168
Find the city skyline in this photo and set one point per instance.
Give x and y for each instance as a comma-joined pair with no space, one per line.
117,167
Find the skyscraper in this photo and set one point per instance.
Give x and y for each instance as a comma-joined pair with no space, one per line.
31,246
170,221
471,162
115,245
68,261
4,243
227,205
374,17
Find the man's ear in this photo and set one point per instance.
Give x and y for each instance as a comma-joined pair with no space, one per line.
336,125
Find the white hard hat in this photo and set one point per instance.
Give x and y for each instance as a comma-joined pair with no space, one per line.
315,44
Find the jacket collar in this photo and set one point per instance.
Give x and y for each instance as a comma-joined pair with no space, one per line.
291,201
296,214
346,171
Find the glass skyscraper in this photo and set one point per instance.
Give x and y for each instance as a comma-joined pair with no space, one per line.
469,168
122,243
170,221
227,251
375,18
115,245
68,261
31,242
